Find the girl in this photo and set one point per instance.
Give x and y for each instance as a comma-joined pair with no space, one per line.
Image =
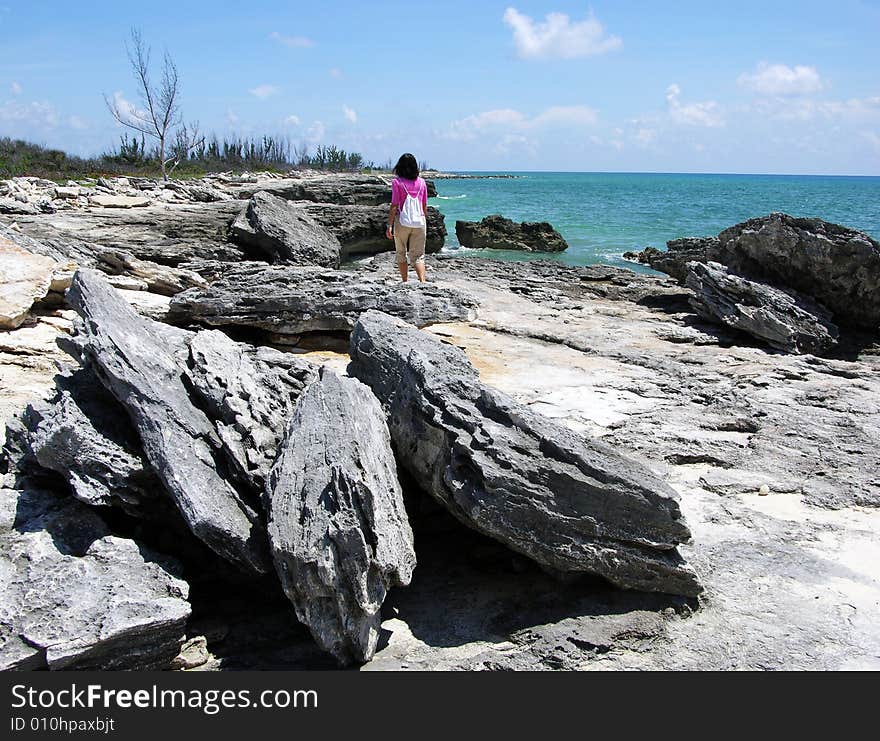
408,216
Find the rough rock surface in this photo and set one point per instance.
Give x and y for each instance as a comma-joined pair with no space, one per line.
496,232
82,434
161,279
349,190
25,277
836,266
285,232
249,392
782,320
73,596
361,229
569,503
337,524
294,300
136,363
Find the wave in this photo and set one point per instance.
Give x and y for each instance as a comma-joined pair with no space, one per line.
452,198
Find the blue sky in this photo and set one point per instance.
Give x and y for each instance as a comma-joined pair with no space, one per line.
775,87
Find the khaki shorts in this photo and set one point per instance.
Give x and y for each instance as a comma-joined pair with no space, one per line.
409,239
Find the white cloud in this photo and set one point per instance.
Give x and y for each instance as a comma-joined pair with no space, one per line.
853,109
350,114
292,121
645,137
508,120
558,36
315,132
15,88
336,73
296,42
694,114
232,118
78,123
780,79
263,91
127,110
37,114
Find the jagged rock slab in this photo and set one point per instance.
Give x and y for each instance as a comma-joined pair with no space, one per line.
361,229
250,392
119,201
294,300
83,434
25,277
136,360
285,232
73,596
337,524
570,503
161,279
782,320
496,232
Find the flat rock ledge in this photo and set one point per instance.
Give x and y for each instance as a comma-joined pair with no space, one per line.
497,232
338,529
569,503
295,300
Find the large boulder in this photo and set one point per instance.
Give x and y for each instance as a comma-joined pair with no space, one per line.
361,229
285,232
141,363
783,320
249,392
834,265
294,300
25,277
837,266
337,524
162,279
570,503
496,232
73,596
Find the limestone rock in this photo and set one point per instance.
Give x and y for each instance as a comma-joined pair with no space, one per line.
337,524
294,300
679,252
349,190
285,232
782,320
82,434
496,232
119,201
160,279
570,503
250,392
137,361
25,277
73,596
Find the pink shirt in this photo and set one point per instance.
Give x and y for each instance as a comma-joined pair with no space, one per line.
416,188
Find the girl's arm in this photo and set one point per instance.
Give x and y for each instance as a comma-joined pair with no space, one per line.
392,214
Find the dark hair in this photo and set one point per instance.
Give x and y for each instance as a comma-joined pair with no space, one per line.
407,167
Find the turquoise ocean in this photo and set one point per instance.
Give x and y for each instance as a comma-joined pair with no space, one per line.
603,215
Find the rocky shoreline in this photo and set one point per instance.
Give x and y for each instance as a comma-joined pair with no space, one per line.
223,451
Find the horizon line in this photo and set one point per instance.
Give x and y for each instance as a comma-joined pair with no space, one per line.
656,172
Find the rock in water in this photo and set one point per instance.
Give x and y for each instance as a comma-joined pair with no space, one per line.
137,362
337,525
285,231
498,233
250,392
784,321
73,596
294,300
569,503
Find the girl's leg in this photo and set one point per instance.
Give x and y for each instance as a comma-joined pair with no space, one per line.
400,240
404,273
420,271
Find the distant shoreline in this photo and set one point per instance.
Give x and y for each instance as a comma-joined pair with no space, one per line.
436,175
